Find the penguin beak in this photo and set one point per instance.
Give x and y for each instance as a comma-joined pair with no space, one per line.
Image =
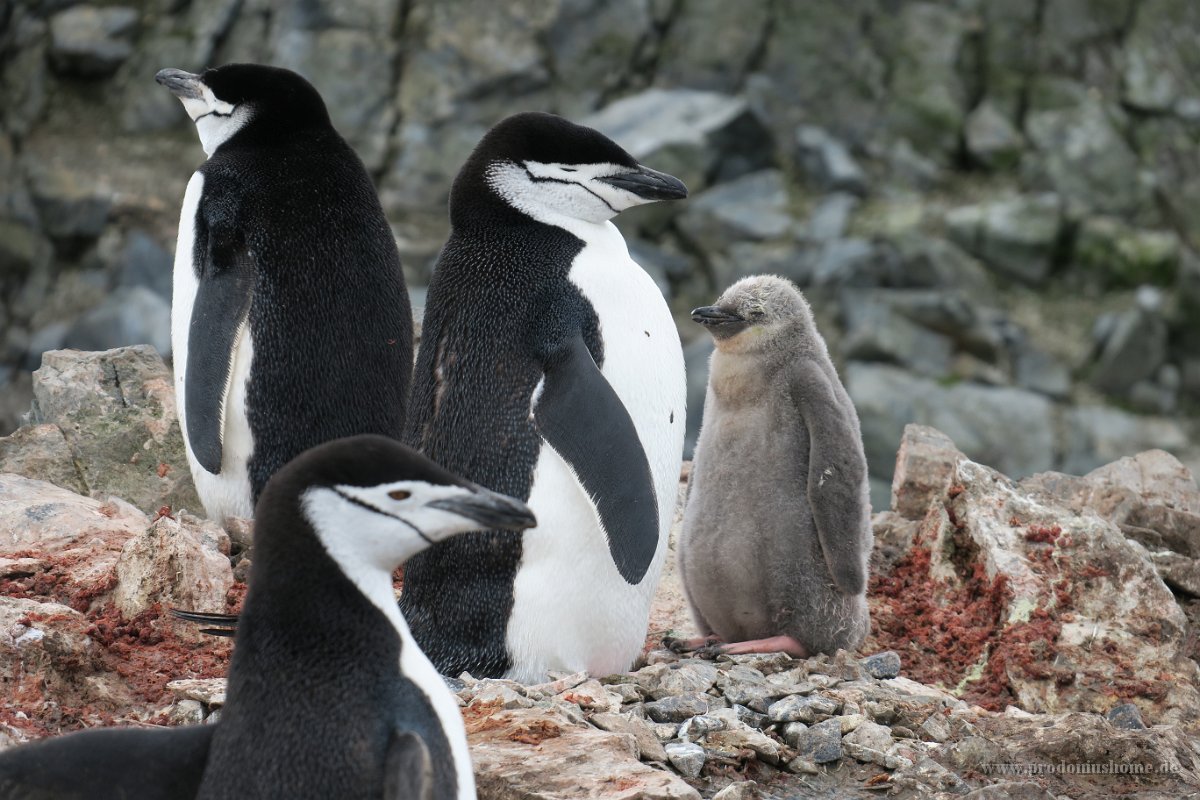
183,85
490,509
648,184
714,317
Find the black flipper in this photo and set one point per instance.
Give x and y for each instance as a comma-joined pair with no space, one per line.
581,417
837,475
219,314
408,771
226,624
108,764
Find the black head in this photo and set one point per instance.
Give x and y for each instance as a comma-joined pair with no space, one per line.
239,98
548,167
372,500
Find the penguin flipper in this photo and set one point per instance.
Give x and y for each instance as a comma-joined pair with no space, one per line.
108,764
408,770
223,624
580,415
219,315
837,475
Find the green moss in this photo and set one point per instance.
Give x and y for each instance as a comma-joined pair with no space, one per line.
1124,257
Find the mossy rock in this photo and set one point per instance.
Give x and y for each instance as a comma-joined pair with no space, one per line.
1121,256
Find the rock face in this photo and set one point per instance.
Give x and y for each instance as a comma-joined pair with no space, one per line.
104,424
1057,609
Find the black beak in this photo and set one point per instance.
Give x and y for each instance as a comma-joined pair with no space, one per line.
183,85
712,316
489,509
648,184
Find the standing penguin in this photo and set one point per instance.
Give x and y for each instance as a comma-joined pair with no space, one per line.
550,370
328,694
777,528
290,321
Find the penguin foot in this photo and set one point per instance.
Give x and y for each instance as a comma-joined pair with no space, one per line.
688,645
774,644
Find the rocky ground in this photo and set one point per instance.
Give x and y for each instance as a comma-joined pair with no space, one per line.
988,203
1032,639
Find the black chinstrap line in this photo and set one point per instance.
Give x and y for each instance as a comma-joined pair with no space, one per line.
369,507
547,179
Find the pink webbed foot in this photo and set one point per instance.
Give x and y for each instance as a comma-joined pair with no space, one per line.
774,644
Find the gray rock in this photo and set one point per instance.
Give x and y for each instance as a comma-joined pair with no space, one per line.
70,205
798,708
699,726
875,332
679,708
792,731
116,410
49,337
1017,237
695,359
1037,371
1096,435
1127,716
827,163
1086,159
602,43
696,136
882,665
90,41
1011,428
710,44
1133,351
1155,77
127,317
872,735
23,80
742,790
856,263
145,262
748,716
686,757
693,678
991,138
831,216
821,743
939,264
751,207
1115,254
649,746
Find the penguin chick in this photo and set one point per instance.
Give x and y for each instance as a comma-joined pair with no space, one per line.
328,693
776,532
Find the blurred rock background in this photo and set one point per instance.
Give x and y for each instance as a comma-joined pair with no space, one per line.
989,204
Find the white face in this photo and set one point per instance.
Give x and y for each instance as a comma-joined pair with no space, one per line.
548,192
378,528
216,120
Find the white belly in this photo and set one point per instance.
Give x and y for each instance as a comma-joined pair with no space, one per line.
572,609
226,494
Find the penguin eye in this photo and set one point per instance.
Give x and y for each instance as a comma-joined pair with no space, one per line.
569,169
399,494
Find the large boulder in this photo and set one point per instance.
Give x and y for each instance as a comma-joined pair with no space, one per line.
1013,594
115,411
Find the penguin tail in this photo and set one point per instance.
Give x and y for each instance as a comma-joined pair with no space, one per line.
221,624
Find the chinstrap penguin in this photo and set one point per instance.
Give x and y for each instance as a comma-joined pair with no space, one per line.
777,527
550,370
290,321
328,694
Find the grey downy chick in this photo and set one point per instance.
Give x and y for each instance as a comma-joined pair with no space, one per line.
777,530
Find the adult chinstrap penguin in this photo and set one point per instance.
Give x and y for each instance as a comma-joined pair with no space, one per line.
550,370
290,322
777,527
328,694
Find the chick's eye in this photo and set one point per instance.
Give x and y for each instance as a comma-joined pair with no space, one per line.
399,494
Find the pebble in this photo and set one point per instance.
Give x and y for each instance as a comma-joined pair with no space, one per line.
882,665
1126,716
678,709
796,708
699,726
686,757
821,743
